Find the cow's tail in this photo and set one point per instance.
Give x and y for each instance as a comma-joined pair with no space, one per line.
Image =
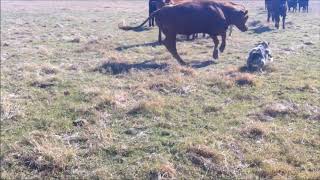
126,28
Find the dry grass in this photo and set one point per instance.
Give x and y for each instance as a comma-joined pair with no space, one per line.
206,152
116,105
255,131
152,106
164,171
44,153
10,110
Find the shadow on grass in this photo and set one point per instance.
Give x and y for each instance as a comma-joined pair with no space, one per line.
119,68
153,44
261,29
201,64
144,28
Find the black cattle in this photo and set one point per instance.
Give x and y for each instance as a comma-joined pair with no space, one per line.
304,4
279,8
292,4
153,6
268,6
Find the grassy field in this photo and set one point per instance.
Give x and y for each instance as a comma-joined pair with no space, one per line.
82,99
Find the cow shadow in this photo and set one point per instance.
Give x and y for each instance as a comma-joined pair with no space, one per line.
144,28
115,68
261,29
153,44
197,64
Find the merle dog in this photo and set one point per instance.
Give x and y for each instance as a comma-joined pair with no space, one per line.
259,56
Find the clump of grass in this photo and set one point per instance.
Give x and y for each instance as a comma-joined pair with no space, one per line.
164,85
280,109
231,77
309,175
212,108
44,51
221,82
255,131
151,106
271,169
10,111
206,152
44,153
254,160
45,82
242,79
209,160
309,87
48,70
164,171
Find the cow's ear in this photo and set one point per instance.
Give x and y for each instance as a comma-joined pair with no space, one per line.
246,12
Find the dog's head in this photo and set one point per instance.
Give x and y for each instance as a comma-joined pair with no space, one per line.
265,44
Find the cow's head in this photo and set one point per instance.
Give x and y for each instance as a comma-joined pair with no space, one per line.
238,16
241,20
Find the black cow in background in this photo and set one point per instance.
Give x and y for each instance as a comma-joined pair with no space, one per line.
268,7
292,4
304,4
153,6
279,8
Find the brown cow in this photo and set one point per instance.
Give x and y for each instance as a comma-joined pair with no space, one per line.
174,2
200,16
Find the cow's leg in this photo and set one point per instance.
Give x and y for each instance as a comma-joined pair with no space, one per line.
194,36
150,23
269,15
230,30
277,20
215,50
170,43
159,36
283,22
203,35
223,43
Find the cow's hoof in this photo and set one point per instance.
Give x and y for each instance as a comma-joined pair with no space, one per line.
222,48
215,55
182,63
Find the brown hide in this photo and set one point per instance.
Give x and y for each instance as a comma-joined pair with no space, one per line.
198,16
